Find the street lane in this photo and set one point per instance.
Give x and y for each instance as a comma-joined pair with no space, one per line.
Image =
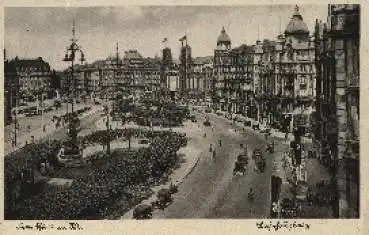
87,123
35,122
211,190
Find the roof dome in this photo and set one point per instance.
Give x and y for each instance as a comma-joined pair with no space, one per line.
223,37
296,24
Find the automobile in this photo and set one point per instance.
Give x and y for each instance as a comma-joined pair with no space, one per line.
164,198
142,211
207,110
247,123
255,126
207,123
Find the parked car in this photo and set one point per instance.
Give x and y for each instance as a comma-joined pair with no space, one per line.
164,198
142,211
247,123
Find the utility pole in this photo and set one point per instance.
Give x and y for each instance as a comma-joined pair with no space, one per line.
42,111
108,88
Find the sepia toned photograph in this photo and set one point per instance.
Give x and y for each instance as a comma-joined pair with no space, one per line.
182,112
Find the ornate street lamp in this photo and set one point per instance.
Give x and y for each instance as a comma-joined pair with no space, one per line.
70,56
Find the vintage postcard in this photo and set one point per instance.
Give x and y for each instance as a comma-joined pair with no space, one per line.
247,116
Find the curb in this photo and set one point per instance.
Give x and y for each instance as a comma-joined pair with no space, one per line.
189,172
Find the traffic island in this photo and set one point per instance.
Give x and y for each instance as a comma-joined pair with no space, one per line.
97,192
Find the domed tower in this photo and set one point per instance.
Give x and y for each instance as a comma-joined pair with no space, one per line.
297,28
223,41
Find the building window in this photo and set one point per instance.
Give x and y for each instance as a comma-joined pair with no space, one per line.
303,86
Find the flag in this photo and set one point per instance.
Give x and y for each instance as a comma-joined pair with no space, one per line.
183,38
165,40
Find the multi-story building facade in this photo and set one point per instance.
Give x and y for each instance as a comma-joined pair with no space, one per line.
187,83
152,76
131,75
221,63
208,70
230,71
111,76
253,58
202,75
34,77
170,79
93,81
338,107
75,85
294,63
139,74
284,77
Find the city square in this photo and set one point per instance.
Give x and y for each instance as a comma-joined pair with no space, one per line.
122,127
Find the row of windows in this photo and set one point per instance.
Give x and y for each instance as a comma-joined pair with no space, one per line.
33,69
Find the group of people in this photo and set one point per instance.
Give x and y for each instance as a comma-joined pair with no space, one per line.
92,194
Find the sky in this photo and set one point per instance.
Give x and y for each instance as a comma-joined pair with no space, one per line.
46,31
